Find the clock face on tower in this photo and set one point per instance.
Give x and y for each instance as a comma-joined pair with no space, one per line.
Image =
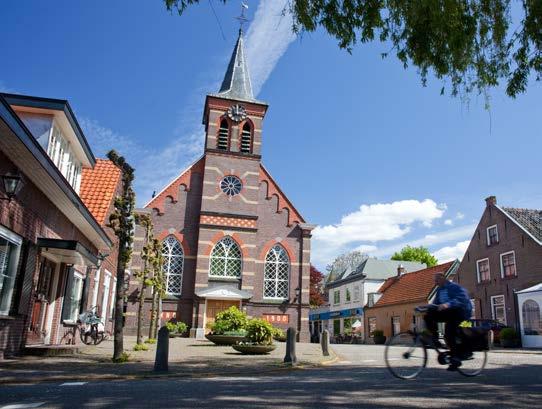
237,113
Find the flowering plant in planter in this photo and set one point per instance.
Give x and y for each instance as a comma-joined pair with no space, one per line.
229,320
259,338
176,328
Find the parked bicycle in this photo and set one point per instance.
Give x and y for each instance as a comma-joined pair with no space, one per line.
91,327
406,352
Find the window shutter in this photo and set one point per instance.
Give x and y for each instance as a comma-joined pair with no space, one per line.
29,257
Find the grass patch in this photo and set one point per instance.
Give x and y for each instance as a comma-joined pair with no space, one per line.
150,341
124,357
141,347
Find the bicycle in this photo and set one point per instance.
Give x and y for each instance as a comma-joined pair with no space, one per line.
91,328
406,352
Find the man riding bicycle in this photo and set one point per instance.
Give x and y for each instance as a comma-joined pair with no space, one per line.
452,307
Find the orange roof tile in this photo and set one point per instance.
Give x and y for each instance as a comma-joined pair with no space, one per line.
98,187
410,287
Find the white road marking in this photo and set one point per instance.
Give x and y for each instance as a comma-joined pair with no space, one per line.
23,405
73,383
369,360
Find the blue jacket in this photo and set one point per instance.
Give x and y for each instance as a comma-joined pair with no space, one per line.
456,296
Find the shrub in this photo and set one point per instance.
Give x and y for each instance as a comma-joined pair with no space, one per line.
229,320
121,359
466,324
141,347
279,334
260,332
176,327
150,341
241,332
378,333
508,334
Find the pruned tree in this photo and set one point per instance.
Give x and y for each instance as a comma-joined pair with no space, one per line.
157,281
470,45
143,276
420,254
122,223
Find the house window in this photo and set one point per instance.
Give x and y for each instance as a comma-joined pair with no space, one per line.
337,297
173,263
113,299
10,248
532,320
223,140
96,288
356,293
246,138
72,297
372,326
492,235
347,325
348,295
225,259
508,264
482,269
473,303
276,273
62,155
498,309
336,327
105,296
395,325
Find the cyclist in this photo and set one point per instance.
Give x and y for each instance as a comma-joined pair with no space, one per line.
451,306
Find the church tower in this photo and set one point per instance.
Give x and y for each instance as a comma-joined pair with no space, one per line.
230,235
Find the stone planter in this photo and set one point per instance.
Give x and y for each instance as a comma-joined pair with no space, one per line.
225,339
379,340
254,349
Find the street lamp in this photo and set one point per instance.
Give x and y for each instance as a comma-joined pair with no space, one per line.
12,184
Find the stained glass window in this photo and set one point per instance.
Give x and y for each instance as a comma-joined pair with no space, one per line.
231,185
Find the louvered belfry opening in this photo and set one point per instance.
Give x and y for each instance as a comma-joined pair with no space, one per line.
246,138
223,136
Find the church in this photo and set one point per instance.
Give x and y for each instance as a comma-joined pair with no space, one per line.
230,235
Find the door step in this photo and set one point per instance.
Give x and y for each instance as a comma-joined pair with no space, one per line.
51,350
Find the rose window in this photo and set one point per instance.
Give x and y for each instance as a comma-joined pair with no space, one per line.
231,185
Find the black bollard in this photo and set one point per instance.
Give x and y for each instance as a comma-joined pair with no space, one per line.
162,351
290,357
325,342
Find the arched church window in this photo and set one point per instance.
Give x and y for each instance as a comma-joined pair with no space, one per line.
223,140
172,267
532,321
246,138
226,259
276,273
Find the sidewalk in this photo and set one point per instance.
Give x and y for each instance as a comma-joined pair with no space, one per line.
187,358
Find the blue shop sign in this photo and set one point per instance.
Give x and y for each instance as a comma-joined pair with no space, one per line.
350,312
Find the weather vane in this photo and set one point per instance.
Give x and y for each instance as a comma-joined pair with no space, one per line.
242,18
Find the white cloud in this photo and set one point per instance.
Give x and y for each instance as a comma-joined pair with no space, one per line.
268,38
448,222
459,216
381,221
450,253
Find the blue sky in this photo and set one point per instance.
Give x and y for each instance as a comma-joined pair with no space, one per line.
360,147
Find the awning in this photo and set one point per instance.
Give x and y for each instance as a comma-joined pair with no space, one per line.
68,251
223,293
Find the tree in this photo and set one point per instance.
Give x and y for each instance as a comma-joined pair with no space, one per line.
122,223
157,281
316,296
472,45
420,254
344,261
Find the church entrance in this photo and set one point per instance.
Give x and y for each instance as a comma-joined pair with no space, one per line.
216,306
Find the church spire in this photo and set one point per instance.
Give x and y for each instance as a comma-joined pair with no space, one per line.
236,83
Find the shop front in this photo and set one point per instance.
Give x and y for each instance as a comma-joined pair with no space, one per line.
337,322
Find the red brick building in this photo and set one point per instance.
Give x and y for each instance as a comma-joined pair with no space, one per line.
230,235
504,256
392,308
49,240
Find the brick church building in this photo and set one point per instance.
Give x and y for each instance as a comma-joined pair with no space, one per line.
230,235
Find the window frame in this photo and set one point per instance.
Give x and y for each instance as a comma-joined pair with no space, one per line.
16,241
226,277
493,305
67,301
537,331
503,275
478,270
488,235
356,296
228,137
337,297
167,260
276,263
370,321
347,295
393,324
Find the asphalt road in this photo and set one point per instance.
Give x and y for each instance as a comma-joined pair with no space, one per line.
359,379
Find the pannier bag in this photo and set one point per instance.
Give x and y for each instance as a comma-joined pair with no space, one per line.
475,337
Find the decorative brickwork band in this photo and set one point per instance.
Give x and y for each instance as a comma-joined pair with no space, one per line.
228,221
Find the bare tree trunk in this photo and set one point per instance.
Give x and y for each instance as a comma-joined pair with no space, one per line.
154,308
140,312
118,344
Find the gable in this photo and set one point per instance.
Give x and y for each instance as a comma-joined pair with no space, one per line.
283,203
173,188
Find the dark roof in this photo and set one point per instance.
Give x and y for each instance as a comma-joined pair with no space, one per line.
529,219
236,83
411,287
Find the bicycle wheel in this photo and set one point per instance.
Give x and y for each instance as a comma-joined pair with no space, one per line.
85,336
473,365
405,355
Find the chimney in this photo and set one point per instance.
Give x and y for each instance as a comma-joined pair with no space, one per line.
491,200
400,270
